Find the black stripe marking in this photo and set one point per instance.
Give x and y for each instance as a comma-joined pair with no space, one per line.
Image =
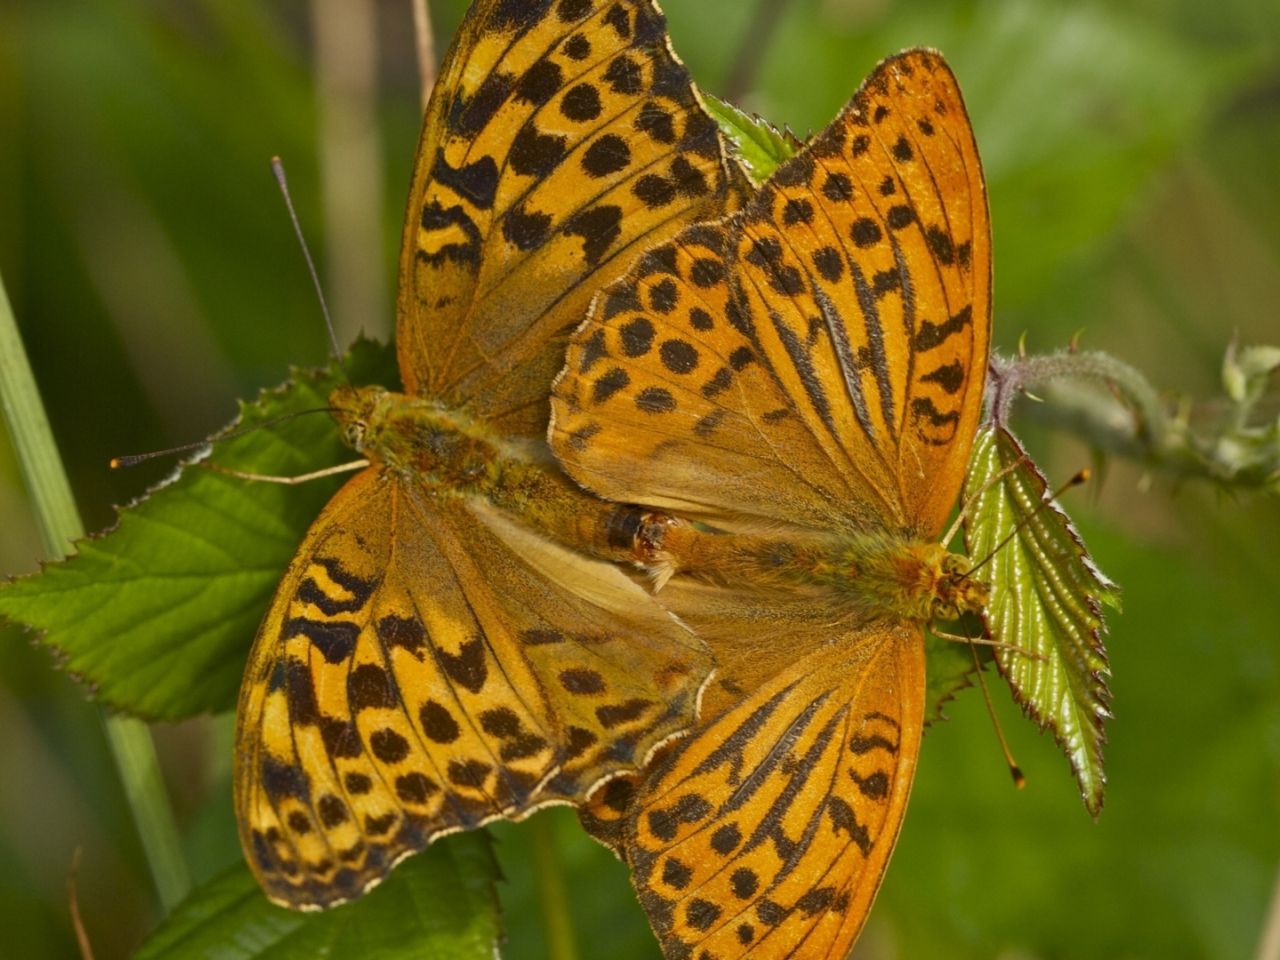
932,335
791,851
839,331
476,182
777,756
804,367
950,377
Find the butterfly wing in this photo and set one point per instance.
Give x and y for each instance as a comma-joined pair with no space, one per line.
403,686
767,833
562,135
818,358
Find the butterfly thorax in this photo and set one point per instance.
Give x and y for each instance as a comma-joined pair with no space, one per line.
451,453
415,437
919,581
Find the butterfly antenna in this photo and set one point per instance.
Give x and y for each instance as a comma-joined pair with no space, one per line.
1019,780
278,169
134,459
1075,481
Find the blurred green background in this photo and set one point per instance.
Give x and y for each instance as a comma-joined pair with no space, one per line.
1132,149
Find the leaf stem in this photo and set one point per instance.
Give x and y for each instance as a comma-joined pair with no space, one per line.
557,921
55,507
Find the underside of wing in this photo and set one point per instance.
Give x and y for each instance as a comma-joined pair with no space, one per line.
767,833
426,668
563,136
820,354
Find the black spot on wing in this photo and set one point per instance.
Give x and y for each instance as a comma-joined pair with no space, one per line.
598,227
370,687
526,229
476,182
950,377
624,76
438,723
388,746
931,335
606,156
467,667
843,820
657,123
940,244
535,154
335,640
283,780
581,103
407,633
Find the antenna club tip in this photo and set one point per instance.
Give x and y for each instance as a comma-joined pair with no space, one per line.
116,463
1019,780
1081,477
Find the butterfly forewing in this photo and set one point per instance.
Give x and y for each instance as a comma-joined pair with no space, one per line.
766,834
858,283
564,134
431,678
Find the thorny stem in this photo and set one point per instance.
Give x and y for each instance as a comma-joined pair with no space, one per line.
46,480
1114,408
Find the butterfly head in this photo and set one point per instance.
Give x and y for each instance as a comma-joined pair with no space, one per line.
955,591
355,408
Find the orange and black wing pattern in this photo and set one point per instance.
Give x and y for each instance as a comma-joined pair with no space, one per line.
766,834
564,137
447,670
817,359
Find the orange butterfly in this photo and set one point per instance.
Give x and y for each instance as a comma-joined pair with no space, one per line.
805,377
442,651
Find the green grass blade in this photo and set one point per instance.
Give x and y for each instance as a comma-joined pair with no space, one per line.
46,480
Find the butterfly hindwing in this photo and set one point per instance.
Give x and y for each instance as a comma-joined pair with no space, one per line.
766,834
563,136
854,291
665,399
396,692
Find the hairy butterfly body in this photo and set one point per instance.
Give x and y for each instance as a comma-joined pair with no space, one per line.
448,647
805,378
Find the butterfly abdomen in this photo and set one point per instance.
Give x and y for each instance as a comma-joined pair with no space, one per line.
874,574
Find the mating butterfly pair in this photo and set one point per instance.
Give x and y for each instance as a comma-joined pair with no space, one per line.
798,366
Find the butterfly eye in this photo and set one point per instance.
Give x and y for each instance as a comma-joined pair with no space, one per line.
354,435
945,609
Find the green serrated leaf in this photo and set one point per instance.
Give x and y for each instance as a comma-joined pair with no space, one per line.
441,904
948,670
760,145
158,614
1045,597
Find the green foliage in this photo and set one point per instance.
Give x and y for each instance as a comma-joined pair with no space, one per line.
1046,597
440,903
760,145
949,669
158,615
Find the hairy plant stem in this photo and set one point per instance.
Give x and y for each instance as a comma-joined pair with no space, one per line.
1115,409
46,481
